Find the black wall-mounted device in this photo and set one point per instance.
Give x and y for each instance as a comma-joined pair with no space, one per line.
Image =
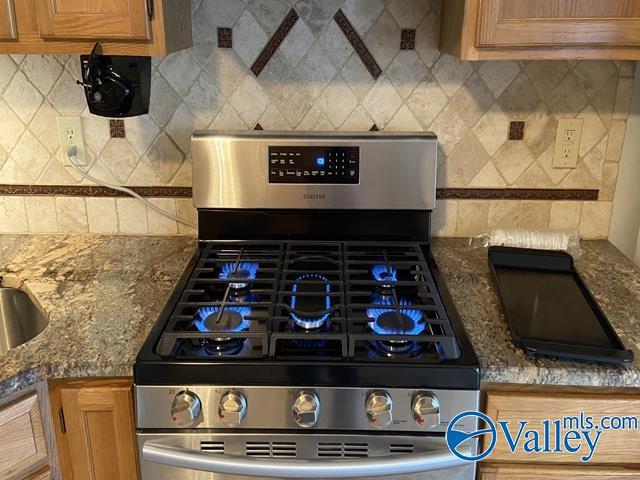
116,86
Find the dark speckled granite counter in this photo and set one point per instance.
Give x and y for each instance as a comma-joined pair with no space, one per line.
613,280
103,293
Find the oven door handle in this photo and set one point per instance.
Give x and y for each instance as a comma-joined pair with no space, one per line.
253,467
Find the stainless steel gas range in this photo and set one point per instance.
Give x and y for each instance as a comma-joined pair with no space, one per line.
312,335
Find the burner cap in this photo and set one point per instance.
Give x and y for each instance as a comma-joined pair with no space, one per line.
310,312
394,323
228,321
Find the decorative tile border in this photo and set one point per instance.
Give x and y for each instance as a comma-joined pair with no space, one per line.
357,44
516,130
274,42
516,194
92,191
185,192
116,128
408,39
225,37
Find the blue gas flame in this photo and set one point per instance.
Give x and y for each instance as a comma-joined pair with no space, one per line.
229,269
311,322
414,315
384,273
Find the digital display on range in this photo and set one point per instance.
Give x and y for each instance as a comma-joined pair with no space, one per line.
321,165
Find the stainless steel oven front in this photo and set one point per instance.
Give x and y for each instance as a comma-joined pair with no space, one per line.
269,441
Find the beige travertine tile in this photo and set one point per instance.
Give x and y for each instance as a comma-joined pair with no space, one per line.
161,224
498,75
408,13
616,140
592,130
72,214
512,160
519,99
492,129
623,98
472,100
102,215
534,214
504,214
488,177
473,218
13,218
428,39
595,220
465,162
594,74
132,216
427,101
451,73
444,218
382,101
404,121
382,39
565,216
41,214
450,129
23,97
609,179
186,211
546,75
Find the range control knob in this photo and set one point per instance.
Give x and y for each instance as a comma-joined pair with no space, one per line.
185,409
306,409
379,409
426,410
232,408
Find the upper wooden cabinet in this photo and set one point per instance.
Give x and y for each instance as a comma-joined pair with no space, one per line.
108,19
8,28
123,27
541,29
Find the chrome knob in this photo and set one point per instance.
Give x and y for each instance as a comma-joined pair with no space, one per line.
306,409
426,410
379,409
232,408
185,409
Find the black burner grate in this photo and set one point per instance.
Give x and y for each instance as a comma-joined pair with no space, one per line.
311,301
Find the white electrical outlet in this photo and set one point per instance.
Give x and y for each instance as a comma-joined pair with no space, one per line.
71,139
568,138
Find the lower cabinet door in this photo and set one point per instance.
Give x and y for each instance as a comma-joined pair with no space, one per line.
539,472
95,430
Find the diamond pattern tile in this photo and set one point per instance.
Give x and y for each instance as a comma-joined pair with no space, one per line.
315,81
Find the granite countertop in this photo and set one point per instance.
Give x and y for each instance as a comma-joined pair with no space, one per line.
102,294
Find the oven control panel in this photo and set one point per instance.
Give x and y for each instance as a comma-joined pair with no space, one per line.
314,164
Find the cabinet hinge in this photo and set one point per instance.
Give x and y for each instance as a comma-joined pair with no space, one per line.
150,9
63,426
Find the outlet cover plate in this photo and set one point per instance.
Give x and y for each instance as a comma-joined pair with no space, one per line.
70,134
568,137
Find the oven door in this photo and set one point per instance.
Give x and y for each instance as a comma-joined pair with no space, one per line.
243,456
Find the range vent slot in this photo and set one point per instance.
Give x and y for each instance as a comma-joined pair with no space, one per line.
401,448
271,449
343,450
213,447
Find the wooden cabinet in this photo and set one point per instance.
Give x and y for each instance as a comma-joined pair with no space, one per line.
542,472
95,429
124,27
8,28
541,29
22,443
615,447
107,19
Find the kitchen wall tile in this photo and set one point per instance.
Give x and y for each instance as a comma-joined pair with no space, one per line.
161,224
534,214
11,127
41,214
72,214
315,81
132,216
23,97
473,218
186,211
492,129
444,218
609,179
102,215
546,75
565,216
42,70
595,220
13,218
504,214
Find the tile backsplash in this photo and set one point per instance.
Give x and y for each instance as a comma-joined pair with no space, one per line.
315,81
